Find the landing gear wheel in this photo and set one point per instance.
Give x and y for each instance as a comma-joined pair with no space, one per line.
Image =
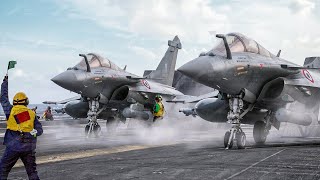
241,140
259,132
96,130
86,129
226,140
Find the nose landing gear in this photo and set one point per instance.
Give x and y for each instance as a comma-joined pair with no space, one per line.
234,116
235,134
93,127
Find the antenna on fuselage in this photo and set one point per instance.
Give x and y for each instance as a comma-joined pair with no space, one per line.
279,52
125,67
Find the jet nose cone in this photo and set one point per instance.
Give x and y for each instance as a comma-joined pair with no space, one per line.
189,69
196,68
66,80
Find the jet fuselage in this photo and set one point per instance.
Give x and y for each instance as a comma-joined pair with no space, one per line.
230,76
91,84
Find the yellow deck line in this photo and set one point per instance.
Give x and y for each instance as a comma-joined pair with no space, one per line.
84,154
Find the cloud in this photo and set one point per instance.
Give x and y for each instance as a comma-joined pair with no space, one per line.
194,20
33,72
13,11
105,13
274,24
142,26
19,73
125,35
39,42
303,7
190,19
143,52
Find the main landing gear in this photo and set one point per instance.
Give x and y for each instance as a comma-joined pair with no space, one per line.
261,129
93,127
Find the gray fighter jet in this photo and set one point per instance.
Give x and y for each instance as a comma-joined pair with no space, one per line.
109,92
255,87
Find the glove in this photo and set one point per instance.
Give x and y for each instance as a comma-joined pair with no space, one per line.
5,78
34,132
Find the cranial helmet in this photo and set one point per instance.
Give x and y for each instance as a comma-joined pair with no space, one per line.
20,99
158,98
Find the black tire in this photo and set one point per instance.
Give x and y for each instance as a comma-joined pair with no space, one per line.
241,140
226,140
86,129
259,133
96,130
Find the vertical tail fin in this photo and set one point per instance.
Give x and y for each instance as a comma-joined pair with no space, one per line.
312,62
165,70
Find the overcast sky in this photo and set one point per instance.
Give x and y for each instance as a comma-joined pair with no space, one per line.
45,37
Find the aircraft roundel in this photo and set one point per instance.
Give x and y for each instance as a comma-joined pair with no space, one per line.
307,74
145,83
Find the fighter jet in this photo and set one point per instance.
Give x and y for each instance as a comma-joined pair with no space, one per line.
109,92
255,87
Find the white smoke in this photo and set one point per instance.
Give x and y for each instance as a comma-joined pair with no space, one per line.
174,128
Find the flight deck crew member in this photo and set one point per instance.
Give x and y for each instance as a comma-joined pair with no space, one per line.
35,111
47,115
158,108
20,138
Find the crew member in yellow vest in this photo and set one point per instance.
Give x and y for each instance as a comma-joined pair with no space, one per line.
20,138
158,108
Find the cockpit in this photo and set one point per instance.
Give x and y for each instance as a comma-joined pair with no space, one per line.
240,43
96,61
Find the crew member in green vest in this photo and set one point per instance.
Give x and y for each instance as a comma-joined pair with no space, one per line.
158,108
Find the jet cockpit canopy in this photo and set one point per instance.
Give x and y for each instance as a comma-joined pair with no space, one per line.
96,61
240,43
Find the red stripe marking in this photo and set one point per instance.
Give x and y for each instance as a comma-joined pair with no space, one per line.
22,117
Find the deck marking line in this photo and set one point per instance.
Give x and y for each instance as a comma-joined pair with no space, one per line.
85,154
238,173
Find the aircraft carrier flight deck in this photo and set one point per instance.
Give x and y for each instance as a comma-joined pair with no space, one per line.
192,151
